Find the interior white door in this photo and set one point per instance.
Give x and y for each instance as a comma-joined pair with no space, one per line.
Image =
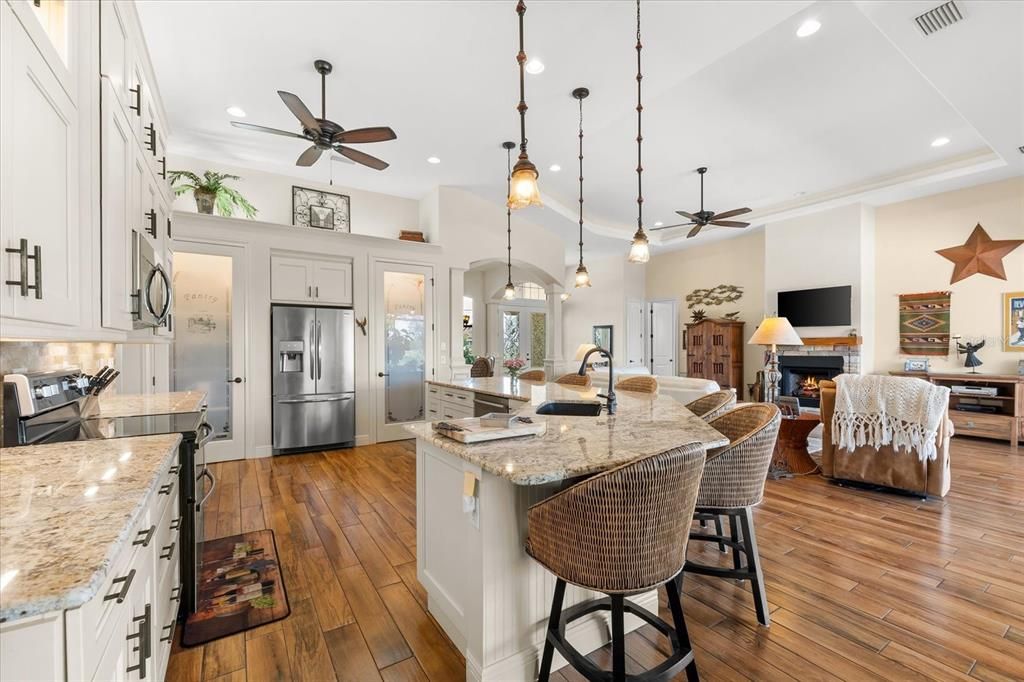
210,339
523,332
663,338
634,333
403,343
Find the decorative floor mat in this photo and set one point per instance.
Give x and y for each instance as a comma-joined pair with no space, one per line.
240,587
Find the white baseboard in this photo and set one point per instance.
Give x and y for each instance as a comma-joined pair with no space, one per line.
260,452
363,439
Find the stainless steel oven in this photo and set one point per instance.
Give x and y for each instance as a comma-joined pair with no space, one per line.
151,286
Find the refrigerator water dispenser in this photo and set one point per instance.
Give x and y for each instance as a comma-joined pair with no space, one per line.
291,354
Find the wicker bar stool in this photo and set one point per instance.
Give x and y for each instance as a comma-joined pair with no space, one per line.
574,379
639,384
733,484
482,367
621,532
712,405
534,375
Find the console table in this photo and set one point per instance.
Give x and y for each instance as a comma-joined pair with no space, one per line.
1003,418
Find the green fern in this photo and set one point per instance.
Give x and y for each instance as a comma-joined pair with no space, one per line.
226,199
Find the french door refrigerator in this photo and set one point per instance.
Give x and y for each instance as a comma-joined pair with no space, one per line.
313,377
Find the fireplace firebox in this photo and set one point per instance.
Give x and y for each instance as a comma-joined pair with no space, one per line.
802,373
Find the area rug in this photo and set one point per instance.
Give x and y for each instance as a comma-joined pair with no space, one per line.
240,587
924,323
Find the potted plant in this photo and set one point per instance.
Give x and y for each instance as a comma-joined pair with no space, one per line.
210,191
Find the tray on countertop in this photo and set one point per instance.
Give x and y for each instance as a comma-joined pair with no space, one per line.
474,432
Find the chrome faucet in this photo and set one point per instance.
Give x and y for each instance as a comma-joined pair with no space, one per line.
610,397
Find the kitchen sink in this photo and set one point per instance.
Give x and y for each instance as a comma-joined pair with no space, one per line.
587,408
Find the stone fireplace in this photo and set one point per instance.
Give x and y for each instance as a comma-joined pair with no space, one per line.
802,367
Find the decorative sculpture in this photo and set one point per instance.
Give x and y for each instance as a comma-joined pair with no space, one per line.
971,349
723,293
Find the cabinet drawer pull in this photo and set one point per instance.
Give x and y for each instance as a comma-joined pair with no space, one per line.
163,167
170,632
168,228
151,141
144,537
176,593
316,291
176,524
145,645
137,107
174,469
168,551
166,489
126,584
23,258
151,217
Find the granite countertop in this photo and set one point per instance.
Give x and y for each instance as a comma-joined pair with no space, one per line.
500,386
574,446
140,405
66,510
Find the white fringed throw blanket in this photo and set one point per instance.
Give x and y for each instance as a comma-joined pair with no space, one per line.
876,410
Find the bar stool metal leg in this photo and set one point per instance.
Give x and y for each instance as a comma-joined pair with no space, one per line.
556,615
618,639
674,589
754,565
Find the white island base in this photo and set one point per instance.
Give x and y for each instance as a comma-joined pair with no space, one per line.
490,597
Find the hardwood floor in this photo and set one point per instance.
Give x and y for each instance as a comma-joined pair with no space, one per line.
861,585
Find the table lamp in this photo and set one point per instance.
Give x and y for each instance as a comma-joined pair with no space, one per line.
582,350
774,332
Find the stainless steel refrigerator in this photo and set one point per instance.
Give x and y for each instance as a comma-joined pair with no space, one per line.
313,377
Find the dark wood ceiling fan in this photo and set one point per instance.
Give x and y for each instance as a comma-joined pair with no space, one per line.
325,134
703,218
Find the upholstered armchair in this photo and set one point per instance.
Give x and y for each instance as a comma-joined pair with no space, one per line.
901,470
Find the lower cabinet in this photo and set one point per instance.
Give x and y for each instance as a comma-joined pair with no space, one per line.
125,631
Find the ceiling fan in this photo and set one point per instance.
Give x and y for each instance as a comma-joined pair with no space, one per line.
325,134
702,218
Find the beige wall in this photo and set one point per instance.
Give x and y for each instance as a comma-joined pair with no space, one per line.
738,261
614,280
908,234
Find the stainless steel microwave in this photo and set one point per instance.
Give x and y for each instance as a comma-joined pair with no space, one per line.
151,285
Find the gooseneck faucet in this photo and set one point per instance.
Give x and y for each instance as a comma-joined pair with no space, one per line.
610,396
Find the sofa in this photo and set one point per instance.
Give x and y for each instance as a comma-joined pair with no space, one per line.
900,470
682,389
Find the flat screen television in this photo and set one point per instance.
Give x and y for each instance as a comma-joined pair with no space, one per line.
825,307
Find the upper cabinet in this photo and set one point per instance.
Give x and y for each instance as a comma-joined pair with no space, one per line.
39,218
302,280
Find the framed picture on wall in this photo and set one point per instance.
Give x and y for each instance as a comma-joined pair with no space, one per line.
320,210
604,338
1013,321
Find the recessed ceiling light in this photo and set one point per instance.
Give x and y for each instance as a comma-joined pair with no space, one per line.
658,224
808,28
940,141
534,66
433,159
237,112
554,168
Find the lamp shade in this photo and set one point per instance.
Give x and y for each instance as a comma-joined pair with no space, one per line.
775,331
583,349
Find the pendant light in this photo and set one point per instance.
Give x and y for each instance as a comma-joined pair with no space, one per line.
582,276
510,288
639,250
523,189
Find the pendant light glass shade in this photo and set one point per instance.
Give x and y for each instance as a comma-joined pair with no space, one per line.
510,291
582,276
524,191
640,250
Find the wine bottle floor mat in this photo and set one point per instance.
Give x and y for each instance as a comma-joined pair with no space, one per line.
240,587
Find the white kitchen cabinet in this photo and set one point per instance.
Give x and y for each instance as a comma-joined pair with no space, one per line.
115,52
117,158
332,282
304,280
39,204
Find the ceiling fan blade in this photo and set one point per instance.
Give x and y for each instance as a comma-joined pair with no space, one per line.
694,231
309,157
360,135
342,159
688,216
300,110
729,223
264,129
669,227
360,157
730,214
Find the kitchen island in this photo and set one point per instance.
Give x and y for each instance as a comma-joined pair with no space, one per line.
489,596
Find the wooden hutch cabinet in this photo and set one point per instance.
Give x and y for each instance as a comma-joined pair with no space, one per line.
714,350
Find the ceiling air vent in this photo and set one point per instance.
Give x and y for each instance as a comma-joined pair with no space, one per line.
938,18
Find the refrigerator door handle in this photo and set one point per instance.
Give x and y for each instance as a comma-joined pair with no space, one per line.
312,361
319,360
314,400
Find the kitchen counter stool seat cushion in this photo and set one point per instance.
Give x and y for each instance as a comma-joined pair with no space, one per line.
574,379
712,405
621,532
534,375
733,483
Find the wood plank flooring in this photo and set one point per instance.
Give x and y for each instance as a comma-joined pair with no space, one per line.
861,585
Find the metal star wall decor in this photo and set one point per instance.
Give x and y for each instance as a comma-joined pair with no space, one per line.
980,254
